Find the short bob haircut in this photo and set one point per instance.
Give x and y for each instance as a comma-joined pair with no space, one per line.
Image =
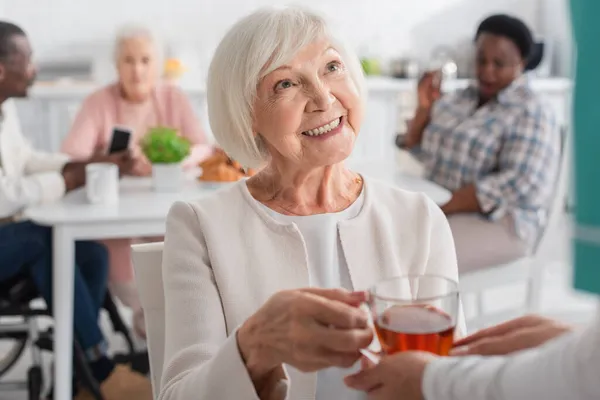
133,31
255,46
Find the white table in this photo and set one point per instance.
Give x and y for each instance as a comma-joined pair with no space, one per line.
389,172
140,212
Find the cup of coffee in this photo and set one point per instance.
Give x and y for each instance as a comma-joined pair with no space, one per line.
415,312
102,183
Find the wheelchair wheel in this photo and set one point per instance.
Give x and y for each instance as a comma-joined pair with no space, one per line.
35,382
16,342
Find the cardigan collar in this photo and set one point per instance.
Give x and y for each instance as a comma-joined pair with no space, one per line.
280,226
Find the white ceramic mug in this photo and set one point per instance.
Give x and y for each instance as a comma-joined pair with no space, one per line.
102,183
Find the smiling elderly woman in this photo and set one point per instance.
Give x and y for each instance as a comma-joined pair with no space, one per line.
263,279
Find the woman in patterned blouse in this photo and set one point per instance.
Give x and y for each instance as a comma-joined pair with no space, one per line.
495,145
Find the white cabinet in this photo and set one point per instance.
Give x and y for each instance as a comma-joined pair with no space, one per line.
47,115
46,121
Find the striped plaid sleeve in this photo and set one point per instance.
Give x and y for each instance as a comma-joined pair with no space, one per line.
440,109
528,165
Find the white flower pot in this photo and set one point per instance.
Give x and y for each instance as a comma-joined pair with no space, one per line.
167,177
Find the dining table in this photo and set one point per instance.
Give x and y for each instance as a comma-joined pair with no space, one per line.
140,212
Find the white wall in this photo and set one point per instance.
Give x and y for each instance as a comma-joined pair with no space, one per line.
556,25
391,27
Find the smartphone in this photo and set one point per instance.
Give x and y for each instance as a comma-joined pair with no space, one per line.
120,140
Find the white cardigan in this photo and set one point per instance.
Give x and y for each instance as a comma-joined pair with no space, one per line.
27,177
224,256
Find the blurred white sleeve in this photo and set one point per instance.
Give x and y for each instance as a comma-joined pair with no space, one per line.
564,368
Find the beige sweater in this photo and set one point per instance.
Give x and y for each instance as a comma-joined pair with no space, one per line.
224,257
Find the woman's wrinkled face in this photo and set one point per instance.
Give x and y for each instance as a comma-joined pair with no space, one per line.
137,67
309,111
498,63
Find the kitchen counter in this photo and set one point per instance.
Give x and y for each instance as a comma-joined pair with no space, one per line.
49,111
379,84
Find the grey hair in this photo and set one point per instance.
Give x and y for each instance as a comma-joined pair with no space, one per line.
133,31
255,46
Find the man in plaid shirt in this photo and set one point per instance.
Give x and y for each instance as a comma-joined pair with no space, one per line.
495,145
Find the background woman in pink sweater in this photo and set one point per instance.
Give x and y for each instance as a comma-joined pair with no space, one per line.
136,101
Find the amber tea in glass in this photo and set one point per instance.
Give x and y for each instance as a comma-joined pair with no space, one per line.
415,313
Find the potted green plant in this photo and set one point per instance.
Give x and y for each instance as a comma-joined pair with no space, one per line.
165,150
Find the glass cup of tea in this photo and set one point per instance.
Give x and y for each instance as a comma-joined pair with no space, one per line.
415,312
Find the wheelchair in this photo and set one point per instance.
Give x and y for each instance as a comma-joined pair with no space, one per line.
19,317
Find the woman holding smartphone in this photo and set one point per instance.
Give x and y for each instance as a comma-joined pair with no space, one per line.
129,107
136,102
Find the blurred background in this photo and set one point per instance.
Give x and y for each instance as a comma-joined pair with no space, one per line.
397,40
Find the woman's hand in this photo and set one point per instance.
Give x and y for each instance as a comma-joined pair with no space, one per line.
309,329
141,166
394,377
515,335
428,90
74,175
123,159
463,200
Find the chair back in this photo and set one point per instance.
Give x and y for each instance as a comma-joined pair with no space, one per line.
147,263
558,201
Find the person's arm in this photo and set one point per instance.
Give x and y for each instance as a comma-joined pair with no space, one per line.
416,127
428,92
46,180
201,361
40,180
82,141
16,193
565,368
47,177
528,164
463,200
